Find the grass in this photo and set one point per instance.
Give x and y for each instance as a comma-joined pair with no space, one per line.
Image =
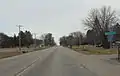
86,49
14,53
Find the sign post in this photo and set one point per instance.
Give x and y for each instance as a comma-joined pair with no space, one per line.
118,43
110,37
119,53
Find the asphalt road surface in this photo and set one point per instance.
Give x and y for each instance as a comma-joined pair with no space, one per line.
56,61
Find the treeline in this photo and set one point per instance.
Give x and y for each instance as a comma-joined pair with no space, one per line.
98,22
48,39
27,40
74,38
94,39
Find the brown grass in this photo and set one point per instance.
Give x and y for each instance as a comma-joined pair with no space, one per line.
5,54
8,54
94,50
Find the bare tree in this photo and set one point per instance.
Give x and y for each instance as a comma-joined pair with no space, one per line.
78,36
42,37
74,38
100,20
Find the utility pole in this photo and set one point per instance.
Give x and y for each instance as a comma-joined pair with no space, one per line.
19,27
35,39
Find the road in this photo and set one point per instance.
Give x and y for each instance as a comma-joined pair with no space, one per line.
56,61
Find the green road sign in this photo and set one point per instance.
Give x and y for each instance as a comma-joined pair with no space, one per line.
110,33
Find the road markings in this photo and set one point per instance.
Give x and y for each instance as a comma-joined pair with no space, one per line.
26,68
30,65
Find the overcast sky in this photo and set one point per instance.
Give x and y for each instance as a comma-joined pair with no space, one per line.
59,17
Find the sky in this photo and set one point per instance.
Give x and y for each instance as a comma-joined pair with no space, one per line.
59,17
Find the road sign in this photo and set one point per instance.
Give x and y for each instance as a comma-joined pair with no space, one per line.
110,33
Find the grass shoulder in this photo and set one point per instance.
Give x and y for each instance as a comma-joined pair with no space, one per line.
6,54
88,49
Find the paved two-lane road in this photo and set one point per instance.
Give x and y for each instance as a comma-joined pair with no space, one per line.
56,61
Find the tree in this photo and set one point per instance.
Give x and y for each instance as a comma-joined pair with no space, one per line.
78,37
63,41
100,20
70,40
10,42
28,38
22,36
53,42
43,38
90,37
5,41
49,40
38,42
15,41
116,28
74,38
